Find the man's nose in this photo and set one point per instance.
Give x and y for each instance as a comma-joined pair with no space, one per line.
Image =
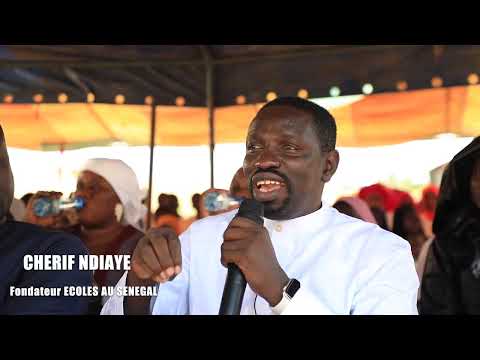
267,164
267,159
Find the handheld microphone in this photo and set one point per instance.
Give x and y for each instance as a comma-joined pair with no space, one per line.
235,284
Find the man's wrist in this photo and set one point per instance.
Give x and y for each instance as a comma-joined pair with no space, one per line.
277,294
289,292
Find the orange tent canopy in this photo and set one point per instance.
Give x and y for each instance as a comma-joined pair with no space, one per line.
375,120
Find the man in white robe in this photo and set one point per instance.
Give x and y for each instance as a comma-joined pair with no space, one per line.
307,258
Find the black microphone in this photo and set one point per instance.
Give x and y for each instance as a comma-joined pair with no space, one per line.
235,284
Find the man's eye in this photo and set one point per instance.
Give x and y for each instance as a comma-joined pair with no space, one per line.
290,148
251,148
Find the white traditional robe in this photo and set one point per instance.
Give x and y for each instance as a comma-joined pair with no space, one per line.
345,266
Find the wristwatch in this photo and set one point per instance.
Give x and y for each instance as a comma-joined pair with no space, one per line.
289,292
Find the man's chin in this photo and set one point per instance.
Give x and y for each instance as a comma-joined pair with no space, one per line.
270,205
273,208
274,211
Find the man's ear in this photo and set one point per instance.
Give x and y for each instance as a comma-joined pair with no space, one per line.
332,158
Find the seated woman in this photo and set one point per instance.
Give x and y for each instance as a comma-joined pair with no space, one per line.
407,225
380,217
111,221
426,208
167,214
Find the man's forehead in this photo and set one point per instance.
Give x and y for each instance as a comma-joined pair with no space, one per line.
288,116
282,125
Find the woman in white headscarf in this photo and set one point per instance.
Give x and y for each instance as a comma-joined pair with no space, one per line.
111,222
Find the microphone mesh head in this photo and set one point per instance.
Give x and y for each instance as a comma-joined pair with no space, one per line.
251,209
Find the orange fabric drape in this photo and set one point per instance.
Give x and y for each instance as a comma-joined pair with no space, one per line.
381,119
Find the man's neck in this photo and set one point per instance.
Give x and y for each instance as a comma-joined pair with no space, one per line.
3,220
298,215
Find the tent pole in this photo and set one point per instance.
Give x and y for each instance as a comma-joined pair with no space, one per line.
210,80
153,125
211,121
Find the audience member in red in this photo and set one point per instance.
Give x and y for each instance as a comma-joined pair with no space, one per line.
380,217
426,207
401,198
377,195
380,197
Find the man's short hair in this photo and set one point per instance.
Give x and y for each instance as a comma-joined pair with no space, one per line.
323,121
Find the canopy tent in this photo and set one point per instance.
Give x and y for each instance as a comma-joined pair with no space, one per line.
87,79
421,114
166,72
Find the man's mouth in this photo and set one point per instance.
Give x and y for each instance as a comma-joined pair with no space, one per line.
268,187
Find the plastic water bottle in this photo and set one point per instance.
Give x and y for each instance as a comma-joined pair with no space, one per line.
43,207
215,201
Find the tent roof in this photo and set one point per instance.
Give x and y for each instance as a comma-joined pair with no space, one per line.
169,71
380,119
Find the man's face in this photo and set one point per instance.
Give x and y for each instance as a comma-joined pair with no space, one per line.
284,165
6,178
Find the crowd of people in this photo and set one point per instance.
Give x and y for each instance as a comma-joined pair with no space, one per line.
442,229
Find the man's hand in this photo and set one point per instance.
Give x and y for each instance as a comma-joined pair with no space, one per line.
158,256
156,259
248,245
